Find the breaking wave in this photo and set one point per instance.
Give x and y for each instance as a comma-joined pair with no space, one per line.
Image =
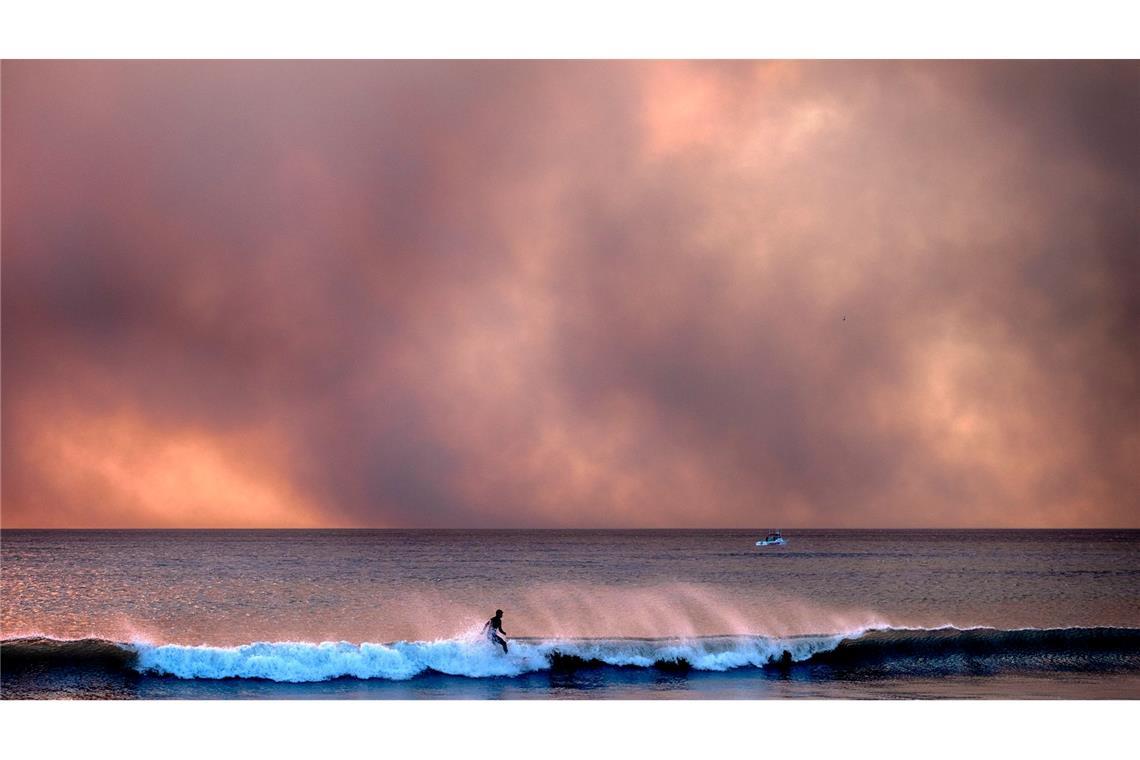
902,650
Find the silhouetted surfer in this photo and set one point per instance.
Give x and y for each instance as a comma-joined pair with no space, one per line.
494,630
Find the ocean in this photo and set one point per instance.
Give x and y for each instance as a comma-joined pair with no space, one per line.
613,614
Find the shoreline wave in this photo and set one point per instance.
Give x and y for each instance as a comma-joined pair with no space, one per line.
915,651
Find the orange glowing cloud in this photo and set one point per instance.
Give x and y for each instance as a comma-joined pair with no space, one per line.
620,294
118,471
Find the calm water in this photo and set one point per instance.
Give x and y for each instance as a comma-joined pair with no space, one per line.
630,614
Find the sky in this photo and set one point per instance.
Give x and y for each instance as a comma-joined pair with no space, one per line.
570,294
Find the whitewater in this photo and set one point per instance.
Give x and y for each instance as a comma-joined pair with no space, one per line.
908,651
470,656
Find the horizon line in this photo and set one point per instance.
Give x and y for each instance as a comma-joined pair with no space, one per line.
557,528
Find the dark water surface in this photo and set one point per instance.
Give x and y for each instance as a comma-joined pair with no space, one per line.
613,614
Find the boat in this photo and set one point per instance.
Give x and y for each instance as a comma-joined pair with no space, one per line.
774,538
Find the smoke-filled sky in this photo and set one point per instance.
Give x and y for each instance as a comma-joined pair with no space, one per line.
580,294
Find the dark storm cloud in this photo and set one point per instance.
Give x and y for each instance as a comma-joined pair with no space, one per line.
571,293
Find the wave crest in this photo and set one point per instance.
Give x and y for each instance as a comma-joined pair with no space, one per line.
475,658
903,650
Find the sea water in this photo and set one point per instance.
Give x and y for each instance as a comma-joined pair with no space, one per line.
607,614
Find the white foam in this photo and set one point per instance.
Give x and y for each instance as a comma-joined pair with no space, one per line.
471,656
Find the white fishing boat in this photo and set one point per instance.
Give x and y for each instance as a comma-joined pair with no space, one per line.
774,538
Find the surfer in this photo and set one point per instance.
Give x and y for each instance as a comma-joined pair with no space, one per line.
494,630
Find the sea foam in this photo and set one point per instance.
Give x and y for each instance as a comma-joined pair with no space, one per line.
472,657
